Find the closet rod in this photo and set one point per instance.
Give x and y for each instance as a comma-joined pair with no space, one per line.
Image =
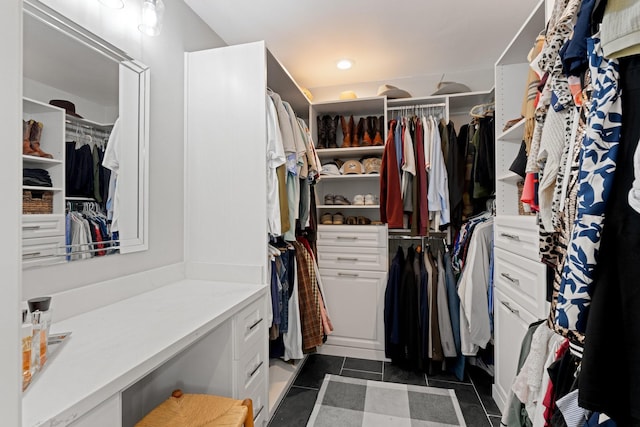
416,107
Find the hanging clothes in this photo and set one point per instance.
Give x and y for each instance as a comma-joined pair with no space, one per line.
391,211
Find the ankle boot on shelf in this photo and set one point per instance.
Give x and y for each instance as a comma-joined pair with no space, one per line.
331,129
379,130
322,133
34,138
366,137
347,131
26,144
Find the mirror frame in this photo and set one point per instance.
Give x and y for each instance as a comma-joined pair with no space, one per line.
138,241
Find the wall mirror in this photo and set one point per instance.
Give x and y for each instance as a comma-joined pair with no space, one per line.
83,100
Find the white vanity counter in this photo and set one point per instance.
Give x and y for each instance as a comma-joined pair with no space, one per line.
113,347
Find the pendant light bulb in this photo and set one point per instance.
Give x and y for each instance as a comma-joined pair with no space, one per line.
113,4
152,12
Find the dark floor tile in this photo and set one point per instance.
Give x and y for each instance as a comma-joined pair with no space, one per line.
362,375
395,374
495,421
438,374
295,409
315,368
484,385
472,410
363,365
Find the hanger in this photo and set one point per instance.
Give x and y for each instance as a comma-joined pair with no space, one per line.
482,110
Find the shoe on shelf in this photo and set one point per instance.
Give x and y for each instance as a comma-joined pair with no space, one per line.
329,199
340,200
369,199
326,219
351,220
331,127
338,219
322,133
26,144
34,139
363,220
359,199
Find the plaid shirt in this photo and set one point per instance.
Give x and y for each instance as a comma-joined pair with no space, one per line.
310,316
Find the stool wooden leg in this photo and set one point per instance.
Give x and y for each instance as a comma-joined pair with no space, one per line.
248,422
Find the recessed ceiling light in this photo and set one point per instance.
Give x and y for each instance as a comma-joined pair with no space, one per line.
344,64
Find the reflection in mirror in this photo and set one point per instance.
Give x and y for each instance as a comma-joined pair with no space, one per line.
85,143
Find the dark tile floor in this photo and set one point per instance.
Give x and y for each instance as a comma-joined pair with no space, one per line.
474,393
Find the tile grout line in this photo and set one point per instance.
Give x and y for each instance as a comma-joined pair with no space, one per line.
304,387
426,378
383,370
344,359
486,414
451,382
362,370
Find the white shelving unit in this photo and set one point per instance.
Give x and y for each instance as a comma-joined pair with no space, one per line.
519,277
43,234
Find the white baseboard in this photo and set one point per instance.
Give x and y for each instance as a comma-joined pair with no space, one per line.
358,353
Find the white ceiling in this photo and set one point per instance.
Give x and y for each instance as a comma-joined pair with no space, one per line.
388,40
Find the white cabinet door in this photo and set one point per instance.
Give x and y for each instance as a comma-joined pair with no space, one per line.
511,323
107,414
355,302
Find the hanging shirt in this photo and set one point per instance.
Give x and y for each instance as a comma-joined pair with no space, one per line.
438,193
275,158
111,161
472,289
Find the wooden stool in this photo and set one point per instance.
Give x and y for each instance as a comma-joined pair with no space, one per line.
199,410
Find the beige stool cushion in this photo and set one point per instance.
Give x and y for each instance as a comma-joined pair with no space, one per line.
199,410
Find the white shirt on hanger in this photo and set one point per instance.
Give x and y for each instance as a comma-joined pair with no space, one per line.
275,158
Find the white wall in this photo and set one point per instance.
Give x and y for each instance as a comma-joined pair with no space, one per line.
417,86
10,209
182,31
89,110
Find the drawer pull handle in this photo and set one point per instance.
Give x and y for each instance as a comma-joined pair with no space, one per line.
31,254
513,310
347,237
348,274
256,369
347,259
255,417
511,236
31,227
255,324
511,279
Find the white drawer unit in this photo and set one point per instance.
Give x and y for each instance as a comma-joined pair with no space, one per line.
372,236
260,405
355,300
251,325
252,369
511,323
42,250
42,226
346,258
518,234
523,280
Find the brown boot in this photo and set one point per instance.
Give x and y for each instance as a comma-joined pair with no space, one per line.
34,138
366,137
379,131
347,131
331,126
358,133
322,133
26,144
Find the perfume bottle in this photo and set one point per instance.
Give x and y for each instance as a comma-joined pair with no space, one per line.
27,336
41,320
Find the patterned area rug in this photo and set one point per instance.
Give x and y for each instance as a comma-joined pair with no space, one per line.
346,402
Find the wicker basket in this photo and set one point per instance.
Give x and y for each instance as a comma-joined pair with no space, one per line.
37,202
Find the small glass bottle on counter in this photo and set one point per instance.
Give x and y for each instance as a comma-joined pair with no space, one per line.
27,337
41,319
